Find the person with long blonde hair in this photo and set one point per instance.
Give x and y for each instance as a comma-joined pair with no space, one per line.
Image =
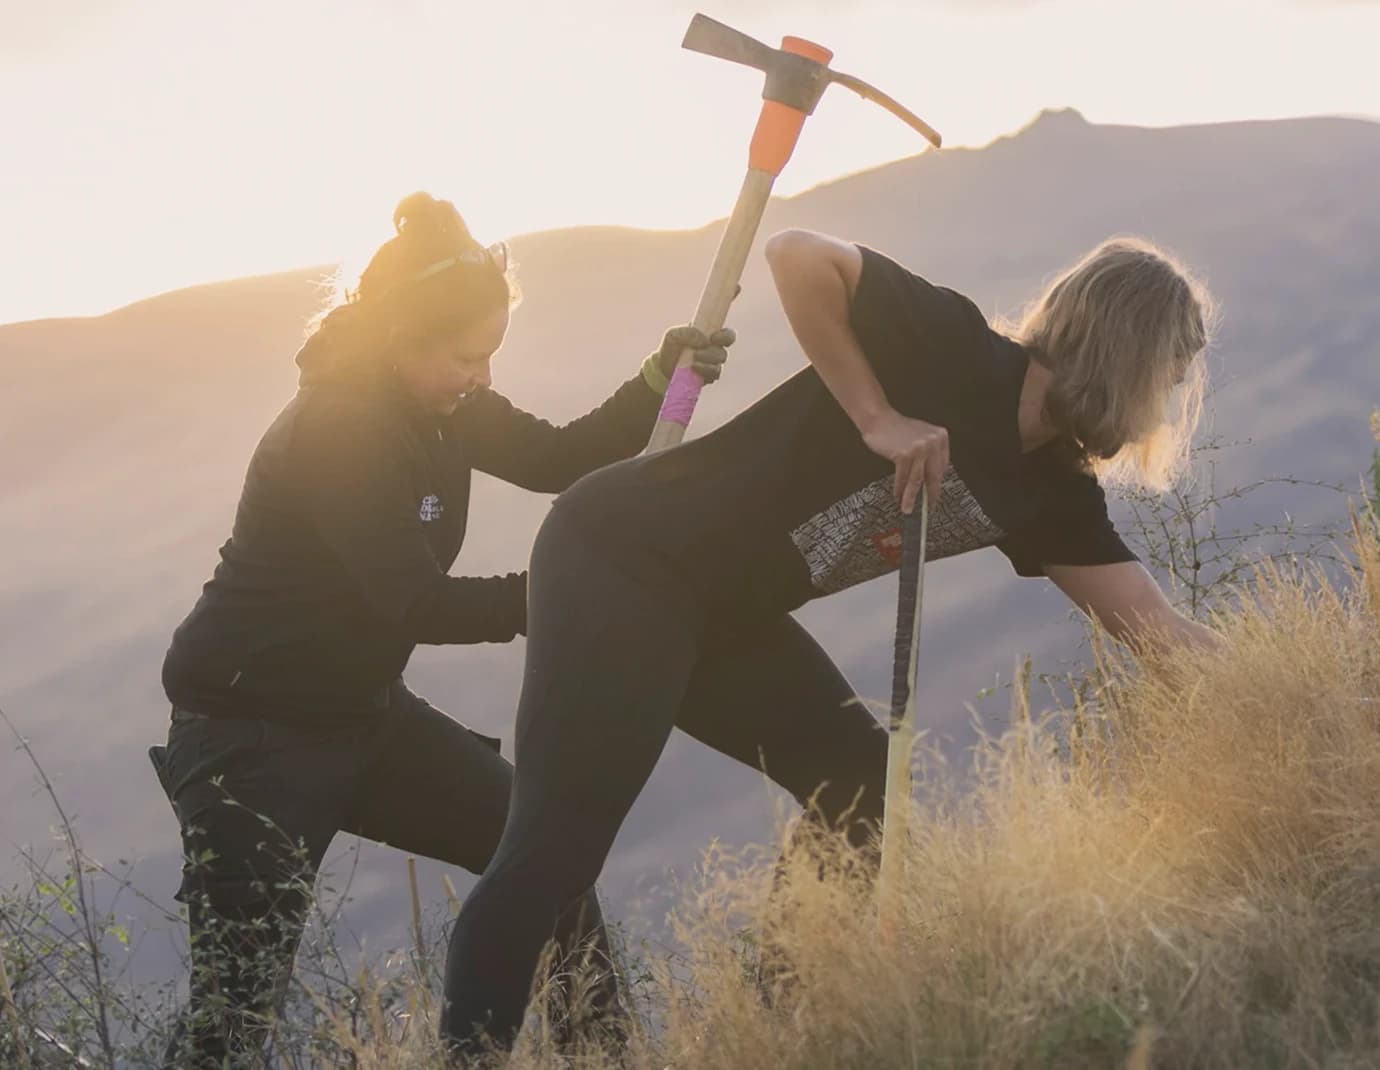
661,587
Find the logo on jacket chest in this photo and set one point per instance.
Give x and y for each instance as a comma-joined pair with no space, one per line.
430,509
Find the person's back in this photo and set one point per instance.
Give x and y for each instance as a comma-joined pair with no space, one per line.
660,588
785,502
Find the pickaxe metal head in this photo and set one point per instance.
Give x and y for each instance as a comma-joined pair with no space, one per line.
797,75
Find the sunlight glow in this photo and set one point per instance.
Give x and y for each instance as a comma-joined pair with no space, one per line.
154,145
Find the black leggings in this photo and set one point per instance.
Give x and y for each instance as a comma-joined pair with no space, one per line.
619,652
410,777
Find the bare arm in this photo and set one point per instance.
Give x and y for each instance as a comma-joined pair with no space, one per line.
1125,599
816,277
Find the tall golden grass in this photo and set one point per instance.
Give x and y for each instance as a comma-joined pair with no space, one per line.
1183,871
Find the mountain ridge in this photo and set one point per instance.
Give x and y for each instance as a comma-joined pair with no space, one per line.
1055,121
123,460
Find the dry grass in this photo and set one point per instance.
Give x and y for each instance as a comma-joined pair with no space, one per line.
1183,873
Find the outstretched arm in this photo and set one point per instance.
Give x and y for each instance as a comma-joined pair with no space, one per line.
1125,599
523,449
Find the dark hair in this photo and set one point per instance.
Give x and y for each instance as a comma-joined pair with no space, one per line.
431,276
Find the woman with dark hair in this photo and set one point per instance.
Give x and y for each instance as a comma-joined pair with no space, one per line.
290,719
661,587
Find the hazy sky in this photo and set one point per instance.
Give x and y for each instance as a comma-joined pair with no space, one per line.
150,145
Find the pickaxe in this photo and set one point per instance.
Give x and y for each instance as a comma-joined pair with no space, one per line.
797,76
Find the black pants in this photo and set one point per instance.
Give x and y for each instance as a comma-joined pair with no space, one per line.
259,803
619,652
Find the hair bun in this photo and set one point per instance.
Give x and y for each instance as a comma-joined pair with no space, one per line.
421,211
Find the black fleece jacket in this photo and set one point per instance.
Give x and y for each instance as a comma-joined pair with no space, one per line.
352,513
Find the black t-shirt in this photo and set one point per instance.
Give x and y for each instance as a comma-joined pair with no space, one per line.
785,503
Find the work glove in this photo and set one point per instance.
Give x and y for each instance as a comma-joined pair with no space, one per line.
711,351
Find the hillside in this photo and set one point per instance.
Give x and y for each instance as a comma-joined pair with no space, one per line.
126,435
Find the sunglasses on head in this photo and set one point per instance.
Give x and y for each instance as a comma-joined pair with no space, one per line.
495,254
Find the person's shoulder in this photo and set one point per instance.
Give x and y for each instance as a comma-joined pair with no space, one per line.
992,374
887,281
331,417
1069,523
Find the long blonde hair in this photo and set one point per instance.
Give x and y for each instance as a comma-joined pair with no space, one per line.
1122,331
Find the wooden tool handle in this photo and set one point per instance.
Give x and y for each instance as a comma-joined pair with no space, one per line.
715,299
773,141
901,724
908,599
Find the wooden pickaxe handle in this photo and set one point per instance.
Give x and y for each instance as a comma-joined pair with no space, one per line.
773,141
901,725
797,73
